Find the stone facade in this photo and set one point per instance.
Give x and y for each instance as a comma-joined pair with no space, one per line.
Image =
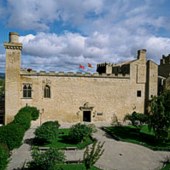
76,97
164,73
164,67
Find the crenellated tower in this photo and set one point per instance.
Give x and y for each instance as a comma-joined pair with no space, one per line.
12,75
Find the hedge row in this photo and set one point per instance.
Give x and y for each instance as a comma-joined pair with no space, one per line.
25,115
4,154
12,134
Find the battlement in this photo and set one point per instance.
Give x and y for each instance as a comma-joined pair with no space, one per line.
25,72
105,64
165,60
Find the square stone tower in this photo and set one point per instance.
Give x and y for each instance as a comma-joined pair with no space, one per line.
12,75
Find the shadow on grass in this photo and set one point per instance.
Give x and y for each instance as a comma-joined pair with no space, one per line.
134,135
66,140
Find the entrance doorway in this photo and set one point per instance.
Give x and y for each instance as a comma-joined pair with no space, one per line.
87,116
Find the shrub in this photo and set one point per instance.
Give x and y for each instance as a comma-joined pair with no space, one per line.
136,119
79,132
47,131
23,118
91,156
12,135
45,160
25,115
4,154
93,127
34,113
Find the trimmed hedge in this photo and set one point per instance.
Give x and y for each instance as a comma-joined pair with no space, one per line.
24,119
47,131
12,135
4,154
34,113
25,115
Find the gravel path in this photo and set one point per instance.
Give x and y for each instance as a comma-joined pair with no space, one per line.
117,155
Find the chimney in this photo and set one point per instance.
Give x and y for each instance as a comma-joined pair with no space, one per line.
142,54
13,37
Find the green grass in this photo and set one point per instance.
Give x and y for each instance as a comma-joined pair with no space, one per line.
138,136
76,167
167,167
63,141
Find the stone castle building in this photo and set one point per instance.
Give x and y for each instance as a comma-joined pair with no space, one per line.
116,89
164,73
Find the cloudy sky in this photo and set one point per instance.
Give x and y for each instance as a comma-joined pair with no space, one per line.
58,35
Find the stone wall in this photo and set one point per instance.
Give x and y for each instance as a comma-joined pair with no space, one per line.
74,94
107,95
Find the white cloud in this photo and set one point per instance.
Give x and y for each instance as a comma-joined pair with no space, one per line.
64,52
109,31
157,46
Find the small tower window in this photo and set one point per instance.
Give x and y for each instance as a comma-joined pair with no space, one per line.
27,91
139,93
47,92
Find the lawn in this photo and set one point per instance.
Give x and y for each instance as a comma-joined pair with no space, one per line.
138,136
77,167
167,167
63,141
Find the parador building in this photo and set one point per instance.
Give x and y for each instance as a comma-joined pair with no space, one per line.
115,89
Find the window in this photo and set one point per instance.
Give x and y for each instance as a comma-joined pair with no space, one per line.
139,93
47,93
27,90
99,114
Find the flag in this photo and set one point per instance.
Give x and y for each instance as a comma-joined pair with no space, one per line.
89,65
81,66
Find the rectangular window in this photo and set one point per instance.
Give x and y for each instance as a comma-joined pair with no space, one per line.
139,93
27,90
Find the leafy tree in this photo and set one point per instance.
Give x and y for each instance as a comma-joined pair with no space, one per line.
45,160
137,119
159,119
2,87
91,156
47,131
79,132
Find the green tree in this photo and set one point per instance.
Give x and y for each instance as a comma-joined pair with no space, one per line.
79,132
159,119
91,155
2,87
137,119
45,160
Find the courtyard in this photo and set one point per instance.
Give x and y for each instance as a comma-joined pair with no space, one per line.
117,155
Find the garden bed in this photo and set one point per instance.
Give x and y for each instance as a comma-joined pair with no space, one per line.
140,136
63,141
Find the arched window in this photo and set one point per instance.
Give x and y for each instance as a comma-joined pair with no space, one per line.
27,90
47,92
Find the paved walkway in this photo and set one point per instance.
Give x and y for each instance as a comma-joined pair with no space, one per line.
117,155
